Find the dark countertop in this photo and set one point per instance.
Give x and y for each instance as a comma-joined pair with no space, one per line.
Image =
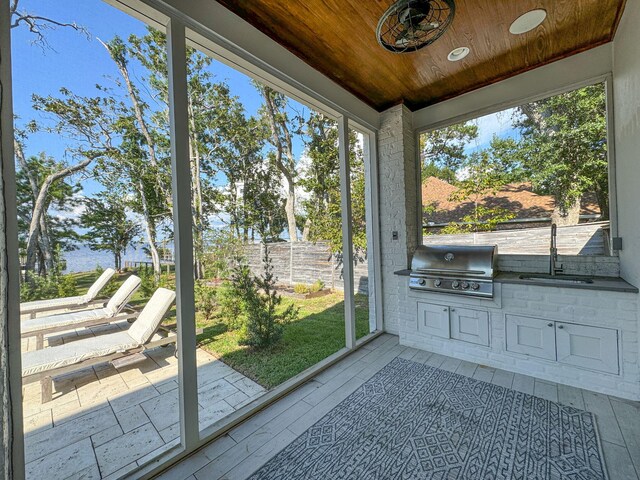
403,273
612,284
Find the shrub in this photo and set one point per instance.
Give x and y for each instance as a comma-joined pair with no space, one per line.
264,322
67,286
317,286
38,288
205,299
231,305
147,281
301,288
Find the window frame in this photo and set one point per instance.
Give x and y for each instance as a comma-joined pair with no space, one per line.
606,80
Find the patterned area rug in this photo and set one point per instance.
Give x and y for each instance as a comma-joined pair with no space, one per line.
412,421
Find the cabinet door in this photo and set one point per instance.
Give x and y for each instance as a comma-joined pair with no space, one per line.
595,348
470,325
433,319
531,336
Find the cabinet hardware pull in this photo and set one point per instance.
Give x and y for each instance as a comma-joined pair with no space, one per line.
560,326
453,309
445,309
549,324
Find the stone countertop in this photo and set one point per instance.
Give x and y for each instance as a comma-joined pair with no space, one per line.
613,284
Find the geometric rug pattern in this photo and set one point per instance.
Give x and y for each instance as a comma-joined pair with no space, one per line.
413,421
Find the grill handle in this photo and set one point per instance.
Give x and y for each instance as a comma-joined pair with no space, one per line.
451,271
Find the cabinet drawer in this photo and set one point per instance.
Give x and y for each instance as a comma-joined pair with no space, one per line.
594,348
531,336
470,325
433,319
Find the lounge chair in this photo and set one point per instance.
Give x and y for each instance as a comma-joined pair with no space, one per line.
43,365
41,326
81,301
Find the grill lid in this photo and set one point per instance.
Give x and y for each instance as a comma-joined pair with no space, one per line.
459,260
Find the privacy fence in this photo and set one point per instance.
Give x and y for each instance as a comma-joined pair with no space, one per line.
583,239
307,262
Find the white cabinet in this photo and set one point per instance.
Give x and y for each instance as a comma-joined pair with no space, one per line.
433,319
531,336
594,348
470,325
458,323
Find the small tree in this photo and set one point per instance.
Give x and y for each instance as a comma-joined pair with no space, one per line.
261,301
109,228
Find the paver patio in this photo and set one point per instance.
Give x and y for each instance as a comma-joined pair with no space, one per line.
104,421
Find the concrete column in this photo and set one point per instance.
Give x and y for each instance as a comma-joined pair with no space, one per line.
398,172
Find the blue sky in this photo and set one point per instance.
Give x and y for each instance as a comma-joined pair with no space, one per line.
79,63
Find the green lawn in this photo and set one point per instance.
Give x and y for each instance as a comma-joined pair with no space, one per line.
318,332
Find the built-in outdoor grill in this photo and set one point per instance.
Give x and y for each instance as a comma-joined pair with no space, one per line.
463,270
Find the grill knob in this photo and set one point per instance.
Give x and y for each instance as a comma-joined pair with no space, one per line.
455,284
437,283
475,286
422,282
464,285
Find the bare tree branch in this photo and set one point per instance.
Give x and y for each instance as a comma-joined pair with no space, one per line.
38,24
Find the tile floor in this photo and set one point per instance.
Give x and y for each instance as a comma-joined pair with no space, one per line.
105,421
247,447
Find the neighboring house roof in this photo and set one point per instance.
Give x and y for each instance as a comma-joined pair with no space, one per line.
517,198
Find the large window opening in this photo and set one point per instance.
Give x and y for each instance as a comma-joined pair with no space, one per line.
504,178
281,261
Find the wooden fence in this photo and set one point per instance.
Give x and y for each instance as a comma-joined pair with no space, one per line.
583,239
307,262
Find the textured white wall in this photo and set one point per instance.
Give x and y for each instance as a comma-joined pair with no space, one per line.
398,205
626,91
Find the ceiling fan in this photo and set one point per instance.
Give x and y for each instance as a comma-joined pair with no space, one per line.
409,25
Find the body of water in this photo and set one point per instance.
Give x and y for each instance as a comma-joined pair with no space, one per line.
84,259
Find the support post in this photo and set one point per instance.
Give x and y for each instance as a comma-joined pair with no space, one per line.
373,229
183,233
347,249
11,433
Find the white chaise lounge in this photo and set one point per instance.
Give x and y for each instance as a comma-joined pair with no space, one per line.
41,326
43,365
81,301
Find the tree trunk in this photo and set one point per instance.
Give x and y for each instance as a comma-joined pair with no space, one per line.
570,217
39,208
150,232
283,147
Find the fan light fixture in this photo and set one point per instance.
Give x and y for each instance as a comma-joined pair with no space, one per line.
528,21
409,25
458,54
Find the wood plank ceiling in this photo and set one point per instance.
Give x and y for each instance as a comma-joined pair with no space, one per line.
337,37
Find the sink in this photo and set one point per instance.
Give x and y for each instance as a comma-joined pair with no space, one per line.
557,279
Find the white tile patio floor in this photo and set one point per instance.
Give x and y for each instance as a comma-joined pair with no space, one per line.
105,421
250,445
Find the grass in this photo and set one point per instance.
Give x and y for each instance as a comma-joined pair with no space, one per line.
317,333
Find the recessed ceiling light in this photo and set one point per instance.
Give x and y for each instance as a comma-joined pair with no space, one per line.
528,21
457,54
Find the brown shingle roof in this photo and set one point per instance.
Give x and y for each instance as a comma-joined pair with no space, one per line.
517,198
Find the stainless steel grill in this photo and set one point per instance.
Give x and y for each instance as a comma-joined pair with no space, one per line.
458,269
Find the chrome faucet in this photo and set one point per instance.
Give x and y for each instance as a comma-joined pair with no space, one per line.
553,253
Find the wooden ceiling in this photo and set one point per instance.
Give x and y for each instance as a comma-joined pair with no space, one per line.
337,37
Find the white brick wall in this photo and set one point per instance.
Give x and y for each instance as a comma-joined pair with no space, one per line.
616,310
398,205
